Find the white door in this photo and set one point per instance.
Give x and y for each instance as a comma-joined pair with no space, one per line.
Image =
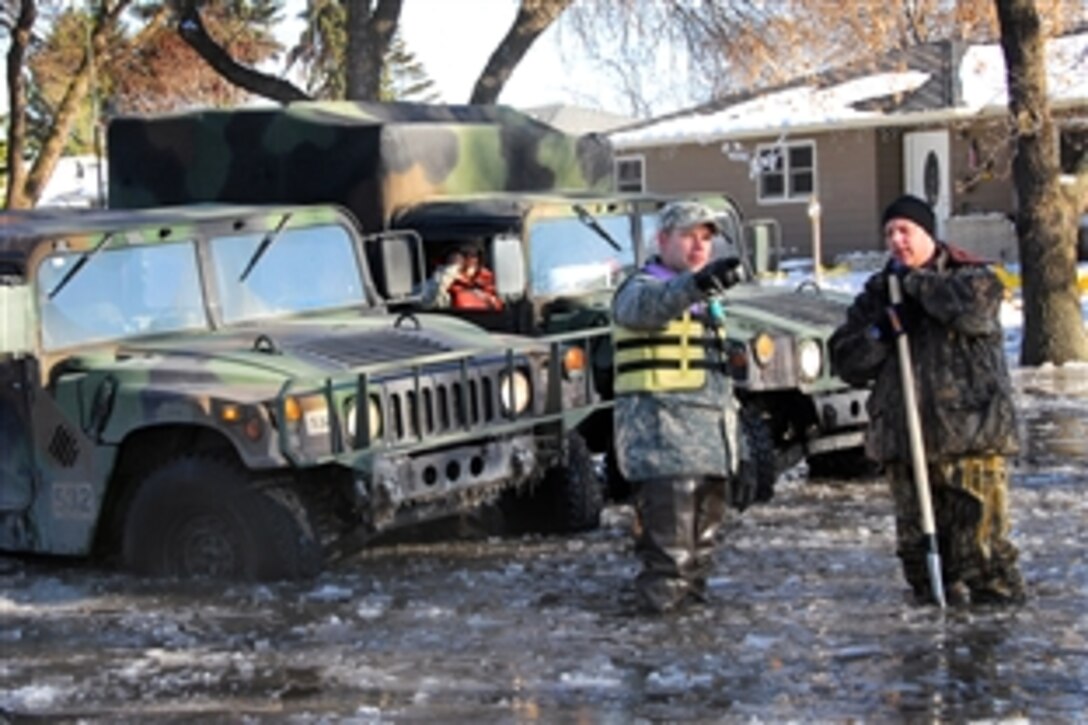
926,172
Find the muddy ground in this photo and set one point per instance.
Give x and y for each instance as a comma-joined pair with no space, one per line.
808,621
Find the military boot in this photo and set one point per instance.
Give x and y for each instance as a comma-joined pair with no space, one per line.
666,545
710,508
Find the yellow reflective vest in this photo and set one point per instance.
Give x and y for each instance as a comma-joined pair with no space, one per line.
670,360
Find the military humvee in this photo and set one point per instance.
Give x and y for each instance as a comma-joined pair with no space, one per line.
219,391
558,258
557,236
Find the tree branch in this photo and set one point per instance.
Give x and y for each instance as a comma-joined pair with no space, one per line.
191,28
533,18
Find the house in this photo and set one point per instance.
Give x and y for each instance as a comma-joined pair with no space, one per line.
577,120
931,120
77,181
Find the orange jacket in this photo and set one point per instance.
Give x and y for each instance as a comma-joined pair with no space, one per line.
475,293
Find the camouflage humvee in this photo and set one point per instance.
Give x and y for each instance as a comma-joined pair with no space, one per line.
558,258
182,386
540,202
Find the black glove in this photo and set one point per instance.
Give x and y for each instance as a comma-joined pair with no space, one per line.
885,329
720,274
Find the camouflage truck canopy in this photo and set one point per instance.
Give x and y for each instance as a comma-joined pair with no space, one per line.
369,157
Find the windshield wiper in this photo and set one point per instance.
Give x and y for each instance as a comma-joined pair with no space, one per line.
586,218
80,263
266,242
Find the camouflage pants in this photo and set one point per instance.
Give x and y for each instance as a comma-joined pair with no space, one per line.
971,511
679,518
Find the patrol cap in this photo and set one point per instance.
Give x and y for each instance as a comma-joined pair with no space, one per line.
683,215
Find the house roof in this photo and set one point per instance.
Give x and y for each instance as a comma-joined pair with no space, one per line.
577,120
934,82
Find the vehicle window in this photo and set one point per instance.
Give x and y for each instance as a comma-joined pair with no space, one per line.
300,270
569,257
119,293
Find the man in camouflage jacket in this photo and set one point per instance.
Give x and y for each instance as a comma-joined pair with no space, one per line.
675,414
949,313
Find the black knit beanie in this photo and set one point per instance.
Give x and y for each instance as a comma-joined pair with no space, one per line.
914,209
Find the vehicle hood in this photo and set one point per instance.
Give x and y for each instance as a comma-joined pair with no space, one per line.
307,348
805,311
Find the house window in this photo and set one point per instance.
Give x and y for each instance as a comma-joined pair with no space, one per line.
630,173
787,171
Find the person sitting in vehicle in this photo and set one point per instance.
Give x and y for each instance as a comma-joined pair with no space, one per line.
462,283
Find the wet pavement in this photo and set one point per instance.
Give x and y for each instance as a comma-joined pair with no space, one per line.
808,621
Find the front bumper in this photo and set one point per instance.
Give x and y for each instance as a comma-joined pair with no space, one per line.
841,421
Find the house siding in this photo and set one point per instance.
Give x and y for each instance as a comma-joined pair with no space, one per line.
851,182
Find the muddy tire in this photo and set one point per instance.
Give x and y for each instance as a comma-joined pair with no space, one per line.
200,516
759,469
569,498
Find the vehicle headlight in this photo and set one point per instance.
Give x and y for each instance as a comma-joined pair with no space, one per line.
515,393
763,349
574,362
373,417
810,359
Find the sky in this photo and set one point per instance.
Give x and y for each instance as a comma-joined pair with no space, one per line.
454,39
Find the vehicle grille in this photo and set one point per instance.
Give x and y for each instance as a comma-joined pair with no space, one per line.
442,403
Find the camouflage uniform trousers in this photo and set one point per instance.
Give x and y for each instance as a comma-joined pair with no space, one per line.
679,522
971,510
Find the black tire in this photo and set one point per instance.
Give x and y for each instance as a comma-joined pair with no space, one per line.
569,498
202,516
759,470
851,463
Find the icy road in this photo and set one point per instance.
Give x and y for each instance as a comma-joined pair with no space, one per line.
809,621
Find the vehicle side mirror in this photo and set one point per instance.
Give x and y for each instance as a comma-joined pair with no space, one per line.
508,256
764,239
15,318
397,256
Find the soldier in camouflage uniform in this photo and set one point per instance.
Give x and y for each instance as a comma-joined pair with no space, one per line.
675,414
950,315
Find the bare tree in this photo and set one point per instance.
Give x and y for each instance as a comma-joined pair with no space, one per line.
532,19
742,45
1045,222
21,26
24,186
190,26
370,31
370,26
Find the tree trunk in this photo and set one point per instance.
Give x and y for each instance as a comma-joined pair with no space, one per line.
369,34
20,41
53,145
533,18
1045,224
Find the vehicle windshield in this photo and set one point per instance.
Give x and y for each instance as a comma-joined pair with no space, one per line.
302,270
568,257
122,292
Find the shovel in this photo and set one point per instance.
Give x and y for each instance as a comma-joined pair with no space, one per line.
917,447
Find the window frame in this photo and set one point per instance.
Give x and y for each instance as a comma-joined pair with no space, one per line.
630,158
784,147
